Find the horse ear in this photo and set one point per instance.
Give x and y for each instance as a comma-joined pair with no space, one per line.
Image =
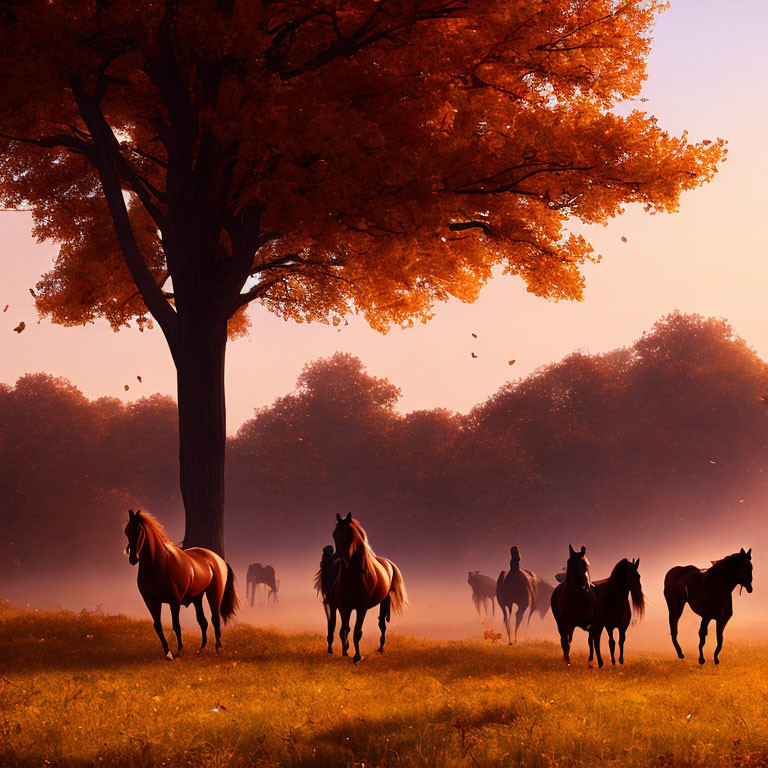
749,552
338,517
583,550
130,514
637,563
742,552
571,550
348,518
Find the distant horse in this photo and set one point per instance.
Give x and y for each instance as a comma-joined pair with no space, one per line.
364,581
325,581
613,594
261,574
523,588
483,589
574,604
708,592
179,577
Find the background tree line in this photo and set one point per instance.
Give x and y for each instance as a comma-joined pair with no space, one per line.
668,434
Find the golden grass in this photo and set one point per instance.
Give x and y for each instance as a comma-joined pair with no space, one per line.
79,689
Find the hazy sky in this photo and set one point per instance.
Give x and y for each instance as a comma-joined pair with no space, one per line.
707,74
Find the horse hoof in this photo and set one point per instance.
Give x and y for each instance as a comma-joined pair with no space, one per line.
717,661
380,650
169,656
357,658
702,661
613,661
330,650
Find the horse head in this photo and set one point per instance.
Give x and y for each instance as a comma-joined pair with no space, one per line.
136,536
344,537
472,576
744,572
577,568
514,557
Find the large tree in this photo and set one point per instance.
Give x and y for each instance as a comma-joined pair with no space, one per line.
320,157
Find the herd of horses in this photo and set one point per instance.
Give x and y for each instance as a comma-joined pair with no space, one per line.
352,577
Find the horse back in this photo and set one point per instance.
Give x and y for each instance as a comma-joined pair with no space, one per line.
204,567
680,578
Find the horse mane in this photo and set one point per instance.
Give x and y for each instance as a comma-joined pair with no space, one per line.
153,526
635,591
360,541
720,567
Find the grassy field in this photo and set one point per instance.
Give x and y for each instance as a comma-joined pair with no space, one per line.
80,689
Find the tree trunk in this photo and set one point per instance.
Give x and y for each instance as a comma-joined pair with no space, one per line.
202,431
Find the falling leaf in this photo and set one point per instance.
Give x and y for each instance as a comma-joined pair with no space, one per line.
126,387
300,439
474,335
511,362
764,398
712,462
741,501
473,354
139,379
623,239
6,307
20,327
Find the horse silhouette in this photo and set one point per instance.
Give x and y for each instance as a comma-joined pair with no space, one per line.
261,574
483,589
325,580
709,593
574,604
364,581
614,594
168,574
523,588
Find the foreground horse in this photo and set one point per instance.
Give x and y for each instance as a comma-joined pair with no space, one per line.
574,604
325,580
179,577
261,574
708,592
522,588
364,581
613,594
483,589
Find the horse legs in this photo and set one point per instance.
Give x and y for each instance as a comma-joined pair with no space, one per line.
720,626
383,616
357,636
612,645
331,614
518,619
155,607
622,638
565,643
493,608
703,629
507,618
201,620
344,631
214,601
253,592
175,607
675,607
596,642
591,648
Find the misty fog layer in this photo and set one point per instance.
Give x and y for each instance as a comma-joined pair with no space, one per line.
655,451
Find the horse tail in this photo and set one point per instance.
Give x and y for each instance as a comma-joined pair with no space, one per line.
230,602
398,595
499,586
545,597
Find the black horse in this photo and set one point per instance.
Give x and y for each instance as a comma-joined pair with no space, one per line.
708,592
613,594
574,604
325,578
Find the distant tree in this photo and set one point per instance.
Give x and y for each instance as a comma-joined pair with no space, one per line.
320,157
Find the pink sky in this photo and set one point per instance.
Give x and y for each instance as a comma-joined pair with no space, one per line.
707,74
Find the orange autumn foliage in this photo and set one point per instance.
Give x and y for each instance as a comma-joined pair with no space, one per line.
327,156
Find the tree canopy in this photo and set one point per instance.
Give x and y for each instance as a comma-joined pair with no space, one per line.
325,156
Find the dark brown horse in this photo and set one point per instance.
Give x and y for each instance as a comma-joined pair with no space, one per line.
364,581
179,577
483,590
613,594
574,604
325,581
709,593
522,588
261,574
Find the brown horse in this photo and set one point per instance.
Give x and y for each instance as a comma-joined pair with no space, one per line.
483,589
179,577
708,592
574,604
523,588
325,581
364,581
613,594
261,574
